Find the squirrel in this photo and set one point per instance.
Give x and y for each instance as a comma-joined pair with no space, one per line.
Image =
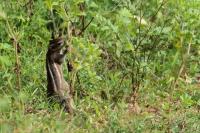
57,86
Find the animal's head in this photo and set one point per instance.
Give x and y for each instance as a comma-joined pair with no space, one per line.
56,44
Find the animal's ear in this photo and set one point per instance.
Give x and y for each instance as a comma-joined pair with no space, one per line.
60,32
59,41
52,42
56,43
52,35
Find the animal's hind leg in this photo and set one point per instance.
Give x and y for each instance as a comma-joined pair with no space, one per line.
66,100
67,103
50,94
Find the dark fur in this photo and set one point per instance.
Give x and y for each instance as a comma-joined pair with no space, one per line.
57,86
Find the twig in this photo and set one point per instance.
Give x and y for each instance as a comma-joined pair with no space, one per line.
182,66
15,42
122,79
82,17
80,33
17,65
148,30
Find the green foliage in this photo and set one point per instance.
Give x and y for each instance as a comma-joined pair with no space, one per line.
146,48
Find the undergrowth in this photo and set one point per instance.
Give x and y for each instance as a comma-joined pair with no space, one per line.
136,66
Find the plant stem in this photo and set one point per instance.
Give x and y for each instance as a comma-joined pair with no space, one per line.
15,42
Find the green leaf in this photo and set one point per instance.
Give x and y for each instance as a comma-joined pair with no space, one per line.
166,30
5,60
126,13
55,4
5,104
124,17
140,20
186,100
166,106
5,46
81,14
78,1
118,49
128,47
94,5
49,4
2,15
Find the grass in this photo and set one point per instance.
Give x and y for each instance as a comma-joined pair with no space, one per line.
26,112
164,107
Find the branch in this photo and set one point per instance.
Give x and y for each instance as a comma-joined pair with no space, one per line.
161,5
80,33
